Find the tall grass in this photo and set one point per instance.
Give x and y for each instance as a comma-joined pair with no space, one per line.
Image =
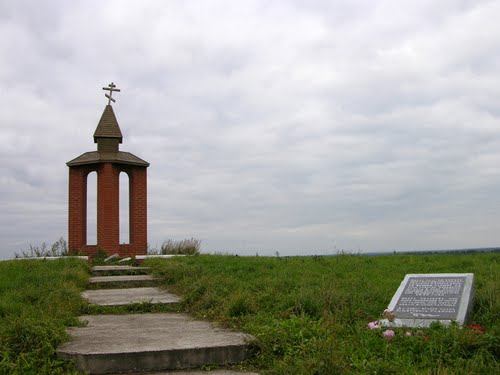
310,314
190,246
58,249
38,300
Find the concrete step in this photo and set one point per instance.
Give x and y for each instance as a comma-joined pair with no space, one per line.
120,297
126,281
119,270
151,342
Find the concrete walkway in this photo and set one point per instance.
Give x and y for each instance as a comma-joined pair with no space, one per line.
122,281
147,342
121,297
117,270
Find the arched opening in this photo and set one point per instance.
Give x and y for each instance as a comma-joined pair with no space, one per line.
92,208
124,208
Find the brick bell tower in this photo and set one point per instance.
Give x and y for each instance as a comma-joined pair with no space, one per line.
108,162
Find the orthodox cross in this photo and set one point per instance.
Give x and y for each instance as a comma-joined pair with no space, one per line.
110,88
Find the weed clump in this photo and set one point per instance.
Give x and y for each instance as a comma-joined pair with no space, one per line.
58,249
189,246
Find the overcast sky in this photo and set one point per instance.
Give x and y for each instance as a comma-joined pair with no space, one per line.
293,126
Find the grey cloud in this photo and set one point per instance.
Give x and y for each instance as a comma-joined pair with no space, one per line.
297,127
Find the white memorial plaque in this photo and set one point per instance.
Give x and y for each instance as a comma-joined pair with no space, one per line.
433,297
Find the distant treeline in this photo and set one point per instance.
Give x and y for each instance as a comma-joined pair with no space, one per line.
448,251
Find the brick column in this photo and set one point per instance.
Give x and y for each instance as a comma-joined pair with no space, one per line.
77,209
108,208
138,210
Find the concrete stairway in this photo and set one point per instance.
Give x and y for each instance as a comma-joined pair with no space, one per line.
126,296
119,270
137,343
124,281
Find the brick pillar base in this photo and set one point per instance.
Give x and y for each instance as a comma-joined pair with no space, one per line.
108,209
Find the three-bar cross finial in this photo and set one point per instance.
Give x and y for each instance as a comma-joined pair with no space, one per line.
110,88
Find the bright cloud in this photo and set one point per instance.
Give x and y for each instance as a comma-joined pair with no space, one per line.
290,126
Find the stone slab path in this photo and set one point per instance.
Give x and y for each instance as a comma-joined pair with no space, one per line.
122,281
141,343
146,342
100,270
126,296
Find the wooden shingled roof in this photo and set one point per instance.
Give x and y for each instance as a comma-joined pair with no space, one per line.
108,126
108,132
120,157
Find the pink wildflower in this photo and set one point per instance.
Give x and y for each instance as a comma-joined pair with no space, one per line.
374,325
408,333
388,334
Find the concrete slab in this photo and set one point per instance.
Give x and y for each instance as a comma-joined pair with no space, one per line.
118,270
119,297
157,256
129,281
151,342
112,257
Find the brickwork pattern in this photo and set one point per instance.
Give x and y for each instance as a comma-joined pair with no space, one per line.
108,209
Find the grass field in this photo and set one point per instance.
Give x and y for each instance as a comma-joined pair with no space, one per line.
38,300
310,314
